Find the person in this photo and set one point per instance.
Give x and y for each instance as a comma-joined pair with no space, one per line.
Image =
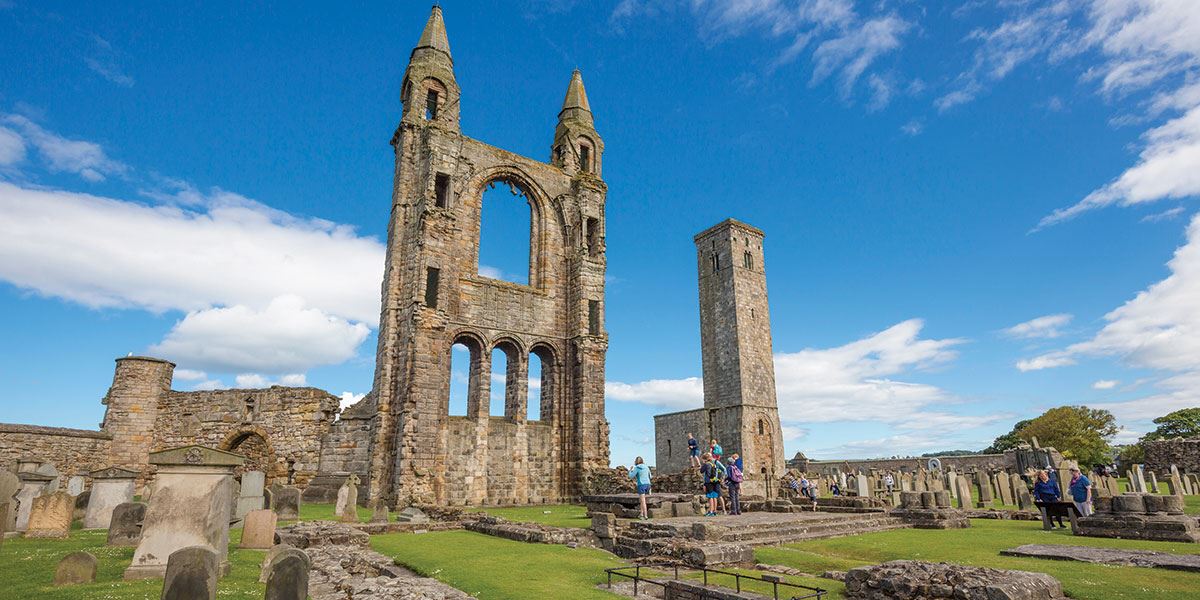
716,451
1081,492
804,491
712,483
889,482
640,473
834,488
795,485
734,484
813,492
1045,490
693,451
723,475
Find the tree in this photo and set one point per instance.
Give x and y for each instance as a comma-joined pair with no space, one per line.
1130,455
1009,440
1184,423
1079,432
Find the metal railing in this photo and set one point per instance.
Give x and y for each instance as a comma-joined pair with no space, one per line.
776,583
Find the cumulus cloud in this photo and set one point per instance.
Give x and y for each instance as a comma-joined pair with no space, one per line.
285,337
680,394
1047,327
350,399
225,251
1159,329
12,147
62,155
1105,384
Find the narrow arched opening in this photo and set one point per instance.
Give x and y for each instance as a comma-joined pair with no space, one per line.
466,366
506,227
544,379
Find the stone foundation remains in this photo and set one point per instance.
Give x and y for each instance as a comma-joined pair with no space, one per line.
1140,517
914,580
930,510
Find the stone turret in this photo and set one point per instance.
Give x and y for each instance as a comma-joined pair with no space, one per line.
430,92
139,384
577,146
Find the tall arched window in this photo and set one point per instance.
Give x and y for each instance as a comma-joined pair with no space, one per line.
505,233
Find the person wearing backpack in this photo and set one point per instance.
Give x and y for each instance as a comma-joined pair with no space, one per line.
641,474
711,476
734,479
722,477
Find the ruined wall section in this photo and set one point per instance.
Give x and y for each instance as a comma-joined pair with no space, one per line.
139,385
71,451
670,438
1183,453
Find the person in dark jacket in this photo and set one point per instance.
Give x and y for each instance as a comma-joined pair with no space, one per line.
1046,490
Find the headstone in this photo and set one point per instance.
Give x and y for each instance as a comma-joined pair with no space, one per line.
951,481
265,570
110,487
412,514
1154,483
287,578
985,489
258,530
1024,500
75,568
906,482
1004,488
1194,481
32,485
9,486
190,507
1176,482
380,513
346,509
48,469
919,484
75,485
125,526
50,516
285,501
1018,486
191,574
964,492
251,497
81,503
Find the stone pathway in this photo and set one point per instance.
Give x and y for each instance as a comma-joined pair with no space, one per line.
344,567
1109,556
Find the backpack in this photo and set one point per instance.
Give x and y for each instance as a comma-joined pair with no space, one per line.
714,474
735,474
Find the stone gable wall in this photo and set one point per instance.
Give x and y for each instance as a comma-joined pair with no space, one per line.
1184,454
71,451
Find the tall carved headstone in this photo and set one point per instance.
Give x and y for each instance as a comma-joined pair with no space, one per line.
190,507
346,509
191,573
110,487
33,484
125,526
964,492
985,489
251,496
285,501
50,516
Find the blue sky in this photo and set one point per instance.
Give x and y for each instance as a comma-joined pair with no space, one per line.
974,211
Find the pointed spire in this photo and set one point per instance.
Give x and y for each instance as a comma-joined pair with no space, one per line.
434,35
576,95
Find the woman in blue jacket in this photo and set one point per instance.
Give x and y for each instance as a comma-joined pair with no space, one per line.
1046,490
640,473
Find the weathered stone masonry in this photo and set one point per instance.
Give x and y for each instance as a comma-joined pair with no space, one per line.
434,297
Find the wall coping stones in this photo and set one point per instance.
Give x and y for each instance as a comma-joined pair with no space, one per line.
59,431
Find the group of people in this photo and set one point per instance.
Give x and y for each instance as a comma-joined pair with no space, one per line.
1047,489
716,471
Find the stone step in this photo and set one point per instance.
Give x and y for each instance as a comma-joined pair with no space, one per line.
812,530
817,535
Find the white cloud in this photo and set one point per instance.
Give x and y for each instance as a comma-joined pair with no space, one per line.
679,394
12,147
1165,215
227,251
1046,361
210,384
251,381
189,375
1105,384
856,49
350,399
913,127
285,337
86,159
1047,327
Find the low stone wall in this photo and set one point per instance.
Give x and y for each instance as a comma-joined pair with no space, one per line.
1184,454
530,532
907,579
689,590
71,451
1140,517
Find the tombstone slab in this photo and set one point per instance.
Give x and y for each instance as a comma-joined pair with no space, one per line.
287,578
75,485
50,516
265,569
258,530
412,514
75,568
33,484
125,526
285,501
964,492
346,508
380,513
110,487
9,486
191,574
190,507
251,497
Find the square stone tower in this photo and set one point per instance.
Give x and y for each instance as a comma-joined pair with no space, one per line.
739,371
435,297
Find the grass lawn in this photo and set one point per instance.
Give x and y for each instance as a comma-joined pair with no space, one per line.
324,512
27,570
494,569
980,546
558,515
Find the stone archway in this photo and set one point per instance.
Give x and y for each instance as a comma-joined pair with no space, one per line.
253,444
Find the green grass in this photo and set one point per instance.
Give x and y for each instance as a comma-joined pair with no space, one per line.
560,515
27,570
324,512
980,546
494,569
835,588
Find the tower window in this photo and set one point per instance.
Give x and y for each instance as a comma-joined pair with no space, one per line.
441,188
431,105
593,317
716,262
668,448
593,236
585,159
762,427
432,276
747,260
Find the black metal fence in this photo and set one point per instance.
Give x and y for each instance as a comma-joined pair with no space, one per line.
803,592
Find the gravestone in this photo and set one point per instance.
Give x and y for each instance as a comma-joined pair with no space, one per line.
285,501
1018,486
191,574
952,483
50,516
110,487
906,482
1153,483
265,570
1176,482
9,486
412,514
258,530
287,577
380,513
985,489
32,485
1194,483
75,568
964,492
190,507
125,525
251,496
1004,488
1024,499
75,485
81,502
346,508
